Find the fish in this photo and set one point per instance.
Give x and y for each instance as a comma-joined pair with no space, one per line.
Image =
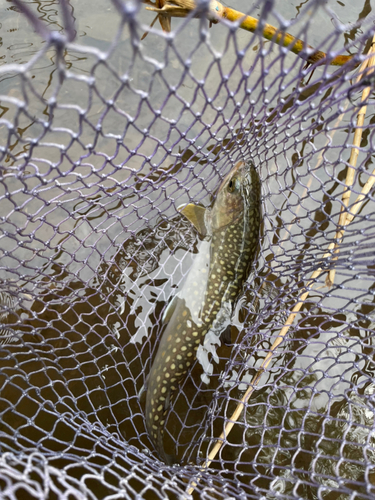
231,241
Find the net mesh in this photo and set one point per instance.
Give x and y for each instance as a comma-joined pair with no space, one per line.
100,142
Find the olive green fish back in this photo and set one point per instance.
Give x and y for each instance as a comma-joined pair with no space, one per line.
104,135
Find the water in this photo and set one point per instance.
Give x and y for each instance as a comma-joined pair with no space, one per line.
94,291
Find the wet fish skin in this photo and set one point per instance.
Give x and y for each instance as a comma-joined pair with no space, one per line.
213,284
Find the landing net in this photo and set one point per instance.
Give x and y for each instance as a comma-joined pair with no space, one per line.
100,142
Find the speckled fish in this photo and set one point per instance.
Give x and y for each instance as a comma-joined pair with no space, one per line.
231,230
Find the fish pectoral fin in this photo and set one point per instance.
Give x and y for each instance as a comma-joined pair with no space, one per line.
196,215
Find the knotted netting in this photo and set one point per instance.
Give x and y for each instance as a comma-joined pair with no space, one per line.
102,138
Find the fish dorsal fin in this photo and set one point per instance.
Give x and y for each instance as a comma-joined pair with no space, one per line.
196,215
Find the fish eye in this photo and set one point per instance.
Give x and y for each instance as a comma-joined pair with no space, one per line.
233,184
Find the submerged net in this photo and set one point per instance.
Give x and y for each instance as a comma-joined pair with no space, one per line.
97,152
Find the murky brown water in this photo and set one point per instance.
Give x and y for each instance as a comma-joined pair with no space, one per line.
97,251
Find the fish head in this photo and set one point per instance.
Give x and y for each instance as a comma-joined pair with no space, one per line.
234,195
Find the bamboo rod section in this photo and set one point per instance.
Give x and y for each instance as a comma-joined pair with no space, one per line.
181,8
287,40
350,174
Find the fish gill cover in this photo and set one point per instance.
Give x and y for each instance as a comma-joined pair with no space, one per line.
103,135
